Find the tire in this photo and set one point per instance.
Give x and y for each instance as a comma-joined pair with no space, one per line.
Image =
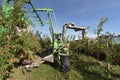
65,63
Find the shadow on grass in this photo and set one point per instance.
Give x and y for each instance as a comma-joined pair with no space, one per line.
54,65
90,71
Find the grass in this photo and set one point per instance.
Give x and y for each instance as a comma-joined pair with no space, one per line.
82,68
46,72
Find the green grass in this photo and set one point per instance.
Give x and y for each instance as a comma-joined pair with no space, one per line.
47,72
82,68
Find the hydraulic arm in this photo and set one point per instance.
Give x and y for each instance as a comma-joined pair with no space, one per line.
74,27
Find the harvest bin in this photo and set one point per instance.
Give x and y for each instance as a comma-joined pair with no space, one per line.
65,62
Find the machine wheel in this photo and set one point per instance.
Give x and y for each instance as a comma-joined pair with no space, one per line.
65,62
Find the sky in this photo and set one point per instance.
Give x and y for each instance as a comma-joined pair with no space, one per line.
83,13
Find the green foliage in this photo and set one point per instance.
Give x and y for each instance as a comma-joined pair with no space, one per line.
6,64
98,45
18,14
100,26
45,42
13,48
25,45
73,45
5,57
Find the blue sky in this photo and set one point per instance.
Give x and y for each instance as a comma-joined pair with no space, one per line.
82,13
85,13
